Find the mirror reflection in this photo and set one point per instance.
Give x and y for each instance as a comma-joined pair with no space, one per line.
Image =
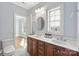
40,23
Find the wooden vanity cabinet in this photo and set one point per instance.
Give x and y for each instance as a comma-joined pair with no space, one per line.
39,48
29,45
57,51
77,53
61,51
34,47
54,50
64,52
72,53
49,49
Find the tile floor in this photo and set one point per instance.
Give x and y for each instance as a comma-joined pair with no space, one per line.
21,52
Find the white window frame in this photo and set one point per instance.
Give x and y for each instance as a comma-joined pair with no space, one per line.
61,28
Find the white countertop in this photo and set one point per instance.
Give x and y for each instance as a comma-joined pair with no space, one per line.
70,44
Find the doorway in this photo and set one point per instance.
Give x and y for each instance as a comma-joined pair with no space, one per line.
20,31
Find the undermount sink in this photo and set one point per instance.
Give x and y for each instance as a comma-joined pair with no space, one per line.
57,40
53,39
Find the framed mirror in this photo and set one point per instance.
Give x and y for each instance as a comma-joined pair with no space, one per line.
40,23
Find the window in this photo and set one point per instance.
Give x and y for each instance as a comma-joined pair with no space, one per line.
54,16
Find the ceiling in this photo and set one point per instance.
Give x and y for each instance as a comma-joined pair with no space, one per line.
26,5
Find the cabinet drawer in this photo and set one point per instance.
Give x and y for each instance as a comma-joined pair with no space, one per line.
34,42
40,43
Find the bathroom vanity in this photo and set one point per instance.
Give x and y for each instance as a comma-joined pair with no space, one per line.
40,46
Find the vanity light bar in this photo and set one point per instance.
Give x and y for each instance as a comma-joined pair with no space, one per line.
39,9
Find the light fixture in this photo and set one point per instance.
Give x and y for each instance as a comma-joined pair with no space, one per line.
23,2
42,9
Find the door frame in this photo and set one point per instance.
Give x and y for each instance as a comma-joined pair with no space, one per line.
14,26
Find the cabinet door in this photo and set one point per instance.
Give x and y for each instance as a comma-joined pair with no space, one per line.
48,49
64,52
57,51
34,47
29,45
67,52
41,48
77,53
72,53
